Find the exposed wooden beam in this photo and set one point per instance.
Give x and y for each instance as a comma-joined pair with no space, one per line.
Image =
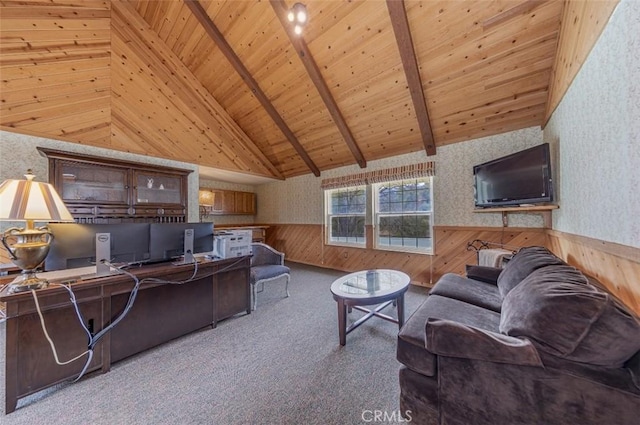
401,29
280,7
216,139
201,15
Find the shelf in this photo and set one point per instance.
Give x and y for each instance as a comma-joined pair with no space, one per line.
517,209
155,189
95,185
545,210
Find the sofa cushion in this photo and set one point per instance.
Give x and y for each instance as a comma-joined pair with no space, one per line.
567,317
453,339
483,273
523,263
471,291
412,349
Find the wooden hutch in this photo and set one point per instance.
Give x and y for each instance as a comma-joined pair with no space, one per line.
105,190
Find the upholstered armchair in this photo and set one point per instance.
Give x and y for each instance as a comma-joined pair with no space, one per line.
267,265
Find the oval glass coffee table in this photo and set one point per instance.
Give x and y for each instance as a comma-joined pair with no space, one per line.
369,287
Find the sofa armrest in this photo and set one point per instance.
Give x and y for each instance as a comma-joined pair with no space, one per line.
483,273
453,339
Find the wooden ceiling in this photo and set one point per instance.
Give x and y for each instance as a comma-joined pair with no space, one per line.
226,84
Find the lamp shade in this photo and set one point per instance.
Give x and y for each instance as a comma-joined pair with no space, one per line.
29,200
205,198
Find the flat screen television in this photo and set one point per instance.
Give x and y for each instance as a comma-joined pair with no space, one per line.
74,245
166,240
520,178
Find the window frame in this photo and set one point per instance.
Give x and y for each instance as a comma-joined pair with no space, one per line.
328,216
377,214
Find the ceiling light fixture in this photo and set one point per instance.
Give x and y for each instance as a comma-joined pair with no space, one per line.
298,17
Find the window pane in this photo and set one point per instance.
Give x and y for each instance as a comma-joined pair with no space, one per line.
383,198
347,229
403,214
346,215
423,199
396,194
348,201
357,202
412,231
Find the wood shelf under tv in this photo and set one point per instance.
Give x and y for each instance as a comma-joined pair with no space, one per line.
544,210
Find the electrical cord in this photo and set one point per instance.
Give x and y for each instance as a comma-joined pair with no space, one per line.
177,282
94,339
174,282
132,297
46,334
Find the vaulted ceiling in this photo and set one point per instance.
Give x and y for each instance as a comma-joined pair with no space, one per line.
226,84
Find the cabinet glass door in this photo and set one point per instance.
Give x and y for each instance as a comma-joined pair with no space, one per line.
93,184
151,188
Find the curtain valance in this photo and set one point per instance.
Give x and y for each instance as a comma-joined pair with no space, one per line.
412,171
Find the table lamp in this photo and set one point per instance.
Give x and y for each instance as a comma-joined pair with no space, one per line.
27,200
205,200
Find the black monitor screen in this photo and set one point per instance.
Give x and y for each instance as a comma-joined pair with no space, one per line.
522,177
166,240
74,245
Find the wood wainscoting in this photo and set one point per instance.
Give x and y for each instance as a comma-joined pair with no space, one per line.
4,256
302,243
615,266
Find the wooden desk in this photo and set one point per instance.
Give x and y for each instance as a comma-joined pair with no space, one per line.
161,312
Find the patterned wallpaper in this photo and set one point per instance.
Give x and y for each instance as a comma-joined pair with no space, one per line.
596,133
18,153
299,200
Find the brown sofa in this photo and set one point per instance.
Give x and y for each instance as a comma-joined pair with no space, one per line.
534,343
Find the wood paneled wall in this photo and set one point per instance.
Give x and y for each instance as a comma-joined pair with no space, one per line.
582,24
302,243
616,266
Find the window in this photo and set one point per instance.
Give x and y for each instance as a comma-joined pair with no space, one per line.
403,215
346,209
397,203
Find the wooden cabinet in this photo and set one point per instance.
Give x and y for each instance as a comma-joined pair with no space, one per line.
218,201
101,190
232,291
224,201
245,203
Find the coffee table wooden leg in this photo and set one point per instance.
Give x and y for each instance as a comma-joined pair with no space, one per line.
342,322
400,301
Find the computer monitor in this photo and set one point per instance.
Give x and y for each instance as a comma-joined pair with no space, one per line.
167,240
74,245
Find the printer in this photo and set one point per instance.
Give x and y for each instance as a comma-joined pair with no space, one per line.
232,243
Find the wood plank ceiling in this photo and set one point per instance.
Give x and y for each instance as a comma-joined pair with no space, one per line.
227,84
